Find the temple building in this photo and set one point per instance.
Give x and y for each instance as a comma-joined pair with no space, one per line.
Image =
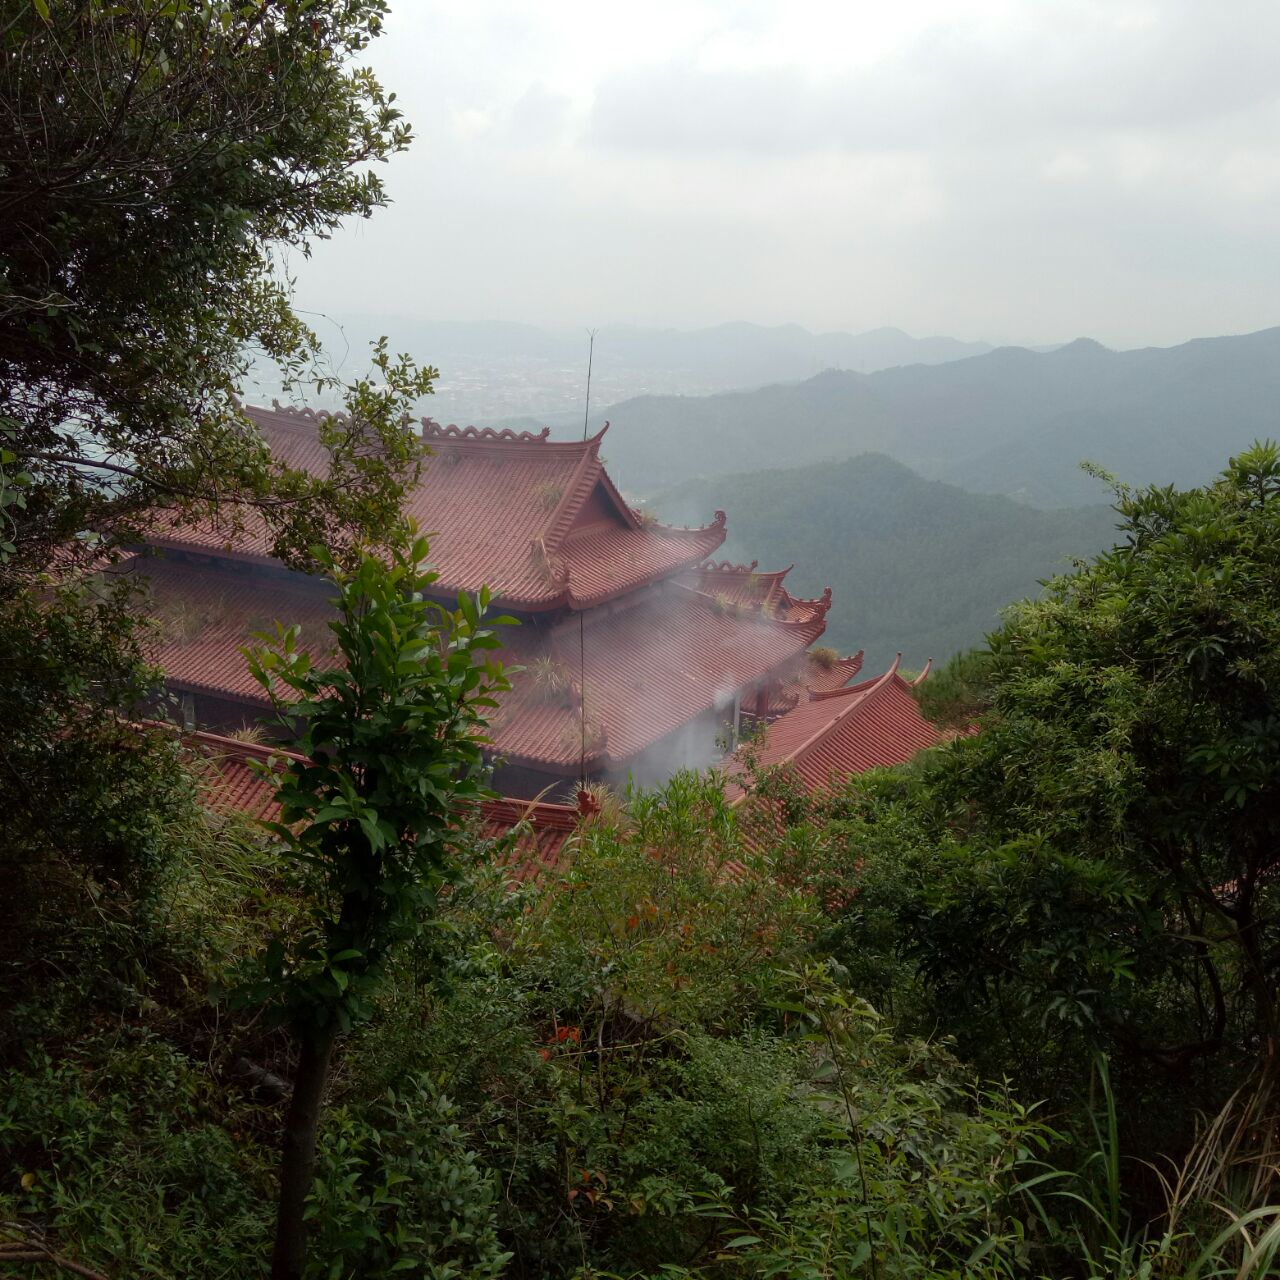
640,653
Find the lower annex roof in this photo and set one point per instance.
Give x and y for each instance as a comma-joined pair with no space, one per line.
843,731
642,673
232,781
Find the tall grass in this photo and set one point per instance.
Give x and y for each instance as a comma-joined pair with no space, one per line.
1226,1192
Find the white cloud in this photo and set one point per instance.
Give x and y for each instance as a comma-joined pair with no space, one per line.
1031,169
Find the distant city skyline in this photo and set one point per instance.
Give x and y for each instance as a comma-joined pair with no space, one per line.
1014,173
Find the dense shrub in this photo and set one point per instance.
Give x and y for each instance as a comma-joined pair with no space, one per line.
643,1052
134,1156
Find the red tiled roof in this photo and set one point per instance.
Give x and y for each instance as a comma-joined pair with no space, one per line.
829,680
231,784
538,522
209,612
811,676
744,586
292,437
839,732
649,667
647,670
545,830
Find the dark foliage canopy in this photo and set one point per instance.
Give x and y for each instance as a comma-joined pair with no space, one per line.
156,159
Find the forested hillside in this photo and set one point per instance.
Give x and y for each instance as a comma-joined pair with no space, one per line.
1012,421
914,565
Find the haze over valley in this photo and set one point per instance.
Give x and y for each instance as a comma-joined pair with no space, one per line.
495,370
1012,421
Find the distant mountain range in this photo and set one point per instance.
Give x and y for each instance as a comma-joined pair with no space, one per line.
1011,421
914,565
734,355
491,370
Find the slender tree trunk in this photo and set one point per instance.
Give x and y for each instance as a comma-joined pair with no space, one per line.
298,1155
1256,977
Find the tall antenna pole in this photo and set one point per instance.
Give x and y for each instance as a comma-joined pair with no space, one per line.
591,352
582,642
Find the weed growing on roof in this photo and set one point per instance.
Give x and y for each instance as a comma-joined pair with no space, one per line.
548,494
604,804
253,734
546,570
824,657
551,682
587,730
180,619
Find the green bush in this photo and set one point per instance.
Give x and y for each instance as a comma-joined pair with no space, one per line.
130,1157
647,1064
398,1190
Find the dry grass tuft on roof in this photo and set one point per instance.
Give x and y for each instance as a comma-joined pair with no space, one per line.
824,657
551,681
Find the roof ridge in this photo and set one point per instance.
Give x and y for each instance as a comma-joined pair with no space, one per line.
822,602
574,498
544,813
299,416
738,570
867,694
719,520
727,566
432,430
235,747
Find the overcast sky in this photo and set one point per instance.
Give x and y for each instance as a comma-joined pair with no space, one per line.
1026,171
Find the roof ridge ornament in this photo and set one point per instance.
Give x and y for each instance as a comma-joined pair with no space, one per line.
305,414
725,566
432,430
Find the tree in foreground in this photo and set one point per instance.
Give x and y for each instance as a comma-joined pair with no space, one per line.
1097,869
156,158
393,743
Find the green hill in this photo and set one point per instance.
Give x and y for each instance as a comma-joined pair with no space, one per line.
1013,421
914,565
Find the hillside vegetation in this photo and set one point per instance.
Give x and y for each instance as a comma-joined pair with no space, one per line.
1013,421
962,1018
914,565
